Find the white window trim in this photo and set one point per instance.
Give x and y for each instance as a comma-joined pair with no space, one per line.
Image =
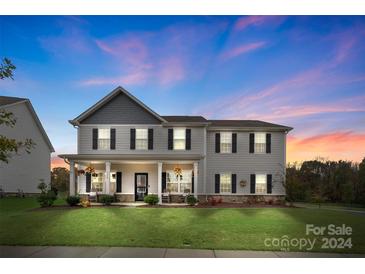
108,148
173,139
220,181
179,182
225,132
142,139
254,143
265,176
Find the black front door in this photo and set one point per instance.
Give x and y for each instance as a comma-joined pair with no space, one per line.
141,186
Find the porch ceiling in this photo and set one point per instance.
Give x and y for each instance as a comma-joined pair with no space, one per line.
131,157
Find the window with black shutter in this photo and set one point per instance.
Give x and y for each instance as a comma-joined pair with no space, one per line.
188,139
217,183
95,138
252,183
234,142
234,183
268,143
269,183
252,143
150,138
217,143
170,139
112,138
133,139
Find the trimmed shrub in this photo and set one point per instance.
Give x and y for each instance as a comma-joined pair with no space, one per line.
46,199
191,200
151,199
73,200
106,199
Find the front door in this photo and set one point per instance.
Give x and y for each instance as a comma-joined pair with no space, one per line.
141,186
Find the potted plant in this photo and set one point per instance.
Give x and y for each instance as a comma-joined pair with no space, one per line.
81,172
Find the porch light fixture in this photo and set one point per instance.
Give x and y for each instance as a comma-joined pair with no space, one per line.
178,171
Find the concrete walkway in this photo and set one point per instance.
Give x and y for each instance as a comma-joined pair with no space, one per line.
139,252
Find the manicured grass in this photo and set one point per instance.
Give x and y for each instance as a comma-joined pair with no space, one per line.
209,228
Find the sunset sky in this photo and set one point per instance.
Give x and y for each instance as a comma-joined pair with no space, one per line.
307,72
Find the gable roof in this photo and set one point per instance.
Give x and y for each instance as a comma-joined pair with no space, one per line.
246,124
6,101
108,98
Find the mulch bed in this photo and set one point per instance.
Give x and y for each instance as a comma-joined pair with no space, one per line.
66,207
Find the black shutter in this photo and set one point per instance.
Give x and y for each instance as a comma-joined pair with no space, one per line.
234,142
170,139
253,184
112,138
252,142
150,138
217,143
119,182
268,143
133,138
234,183
88,182
217,183
164,182
269,183
95,138
188,139
192,184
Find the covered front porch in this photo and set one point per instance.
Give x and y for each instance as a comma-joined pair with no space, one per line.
130,180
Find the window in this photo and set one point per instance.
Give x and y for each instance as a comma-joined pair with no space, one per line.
141,138
260,142
179,138
97,181
225,183
260,184
104,138
179,184
226,142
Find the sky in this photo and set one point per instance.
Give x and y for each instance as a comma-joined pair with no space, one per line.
307,72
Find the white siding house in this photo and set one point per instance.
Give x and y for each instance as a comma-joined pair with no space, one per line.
24,171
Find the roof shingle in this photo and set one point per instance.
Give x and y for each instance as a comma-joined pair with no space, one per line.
7,100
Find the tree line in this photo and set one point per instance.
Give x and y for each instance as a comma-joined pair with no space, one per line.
326,181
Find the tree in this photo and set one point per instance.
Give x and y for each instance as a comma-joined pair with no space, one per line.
60,179
361,185
9,146
6,69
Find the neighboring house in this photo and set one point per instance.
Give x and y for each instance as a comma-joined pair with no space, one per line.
127,149
24,171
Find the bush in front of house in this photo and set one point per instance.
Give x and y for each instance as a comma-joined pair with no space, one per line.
151,199
47,196
73,200
106,199
191,200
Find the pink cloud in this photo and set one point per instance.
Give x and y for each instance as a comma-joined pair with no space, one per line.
246,21
242,49
171,71
133,78
338,145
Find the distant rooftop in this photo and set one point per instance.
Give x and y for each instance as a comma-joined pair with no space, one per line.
186,119
6,100
244,123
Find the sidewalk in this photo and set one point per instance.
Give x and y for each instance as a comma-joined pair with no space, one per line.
139,252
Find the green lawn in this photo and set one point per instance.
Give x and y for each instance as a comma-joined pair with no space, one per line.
209,228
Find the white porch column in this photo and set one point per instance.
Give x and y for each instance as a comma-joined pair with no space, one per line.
159,182
196,179
72,178
107,178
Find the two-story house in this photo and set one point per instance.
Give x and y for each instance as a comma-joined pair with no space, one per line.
127,149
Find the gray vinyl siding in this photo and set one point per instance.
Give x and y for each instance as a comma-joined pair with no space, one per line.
123,140
121,110
243,163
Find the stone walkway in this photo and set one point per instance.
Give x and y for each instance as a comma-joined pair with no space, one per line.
139,252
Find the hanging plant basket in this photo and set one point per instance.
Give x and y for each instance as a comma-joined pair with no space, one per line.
90,169
81,172
243,183
94,175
